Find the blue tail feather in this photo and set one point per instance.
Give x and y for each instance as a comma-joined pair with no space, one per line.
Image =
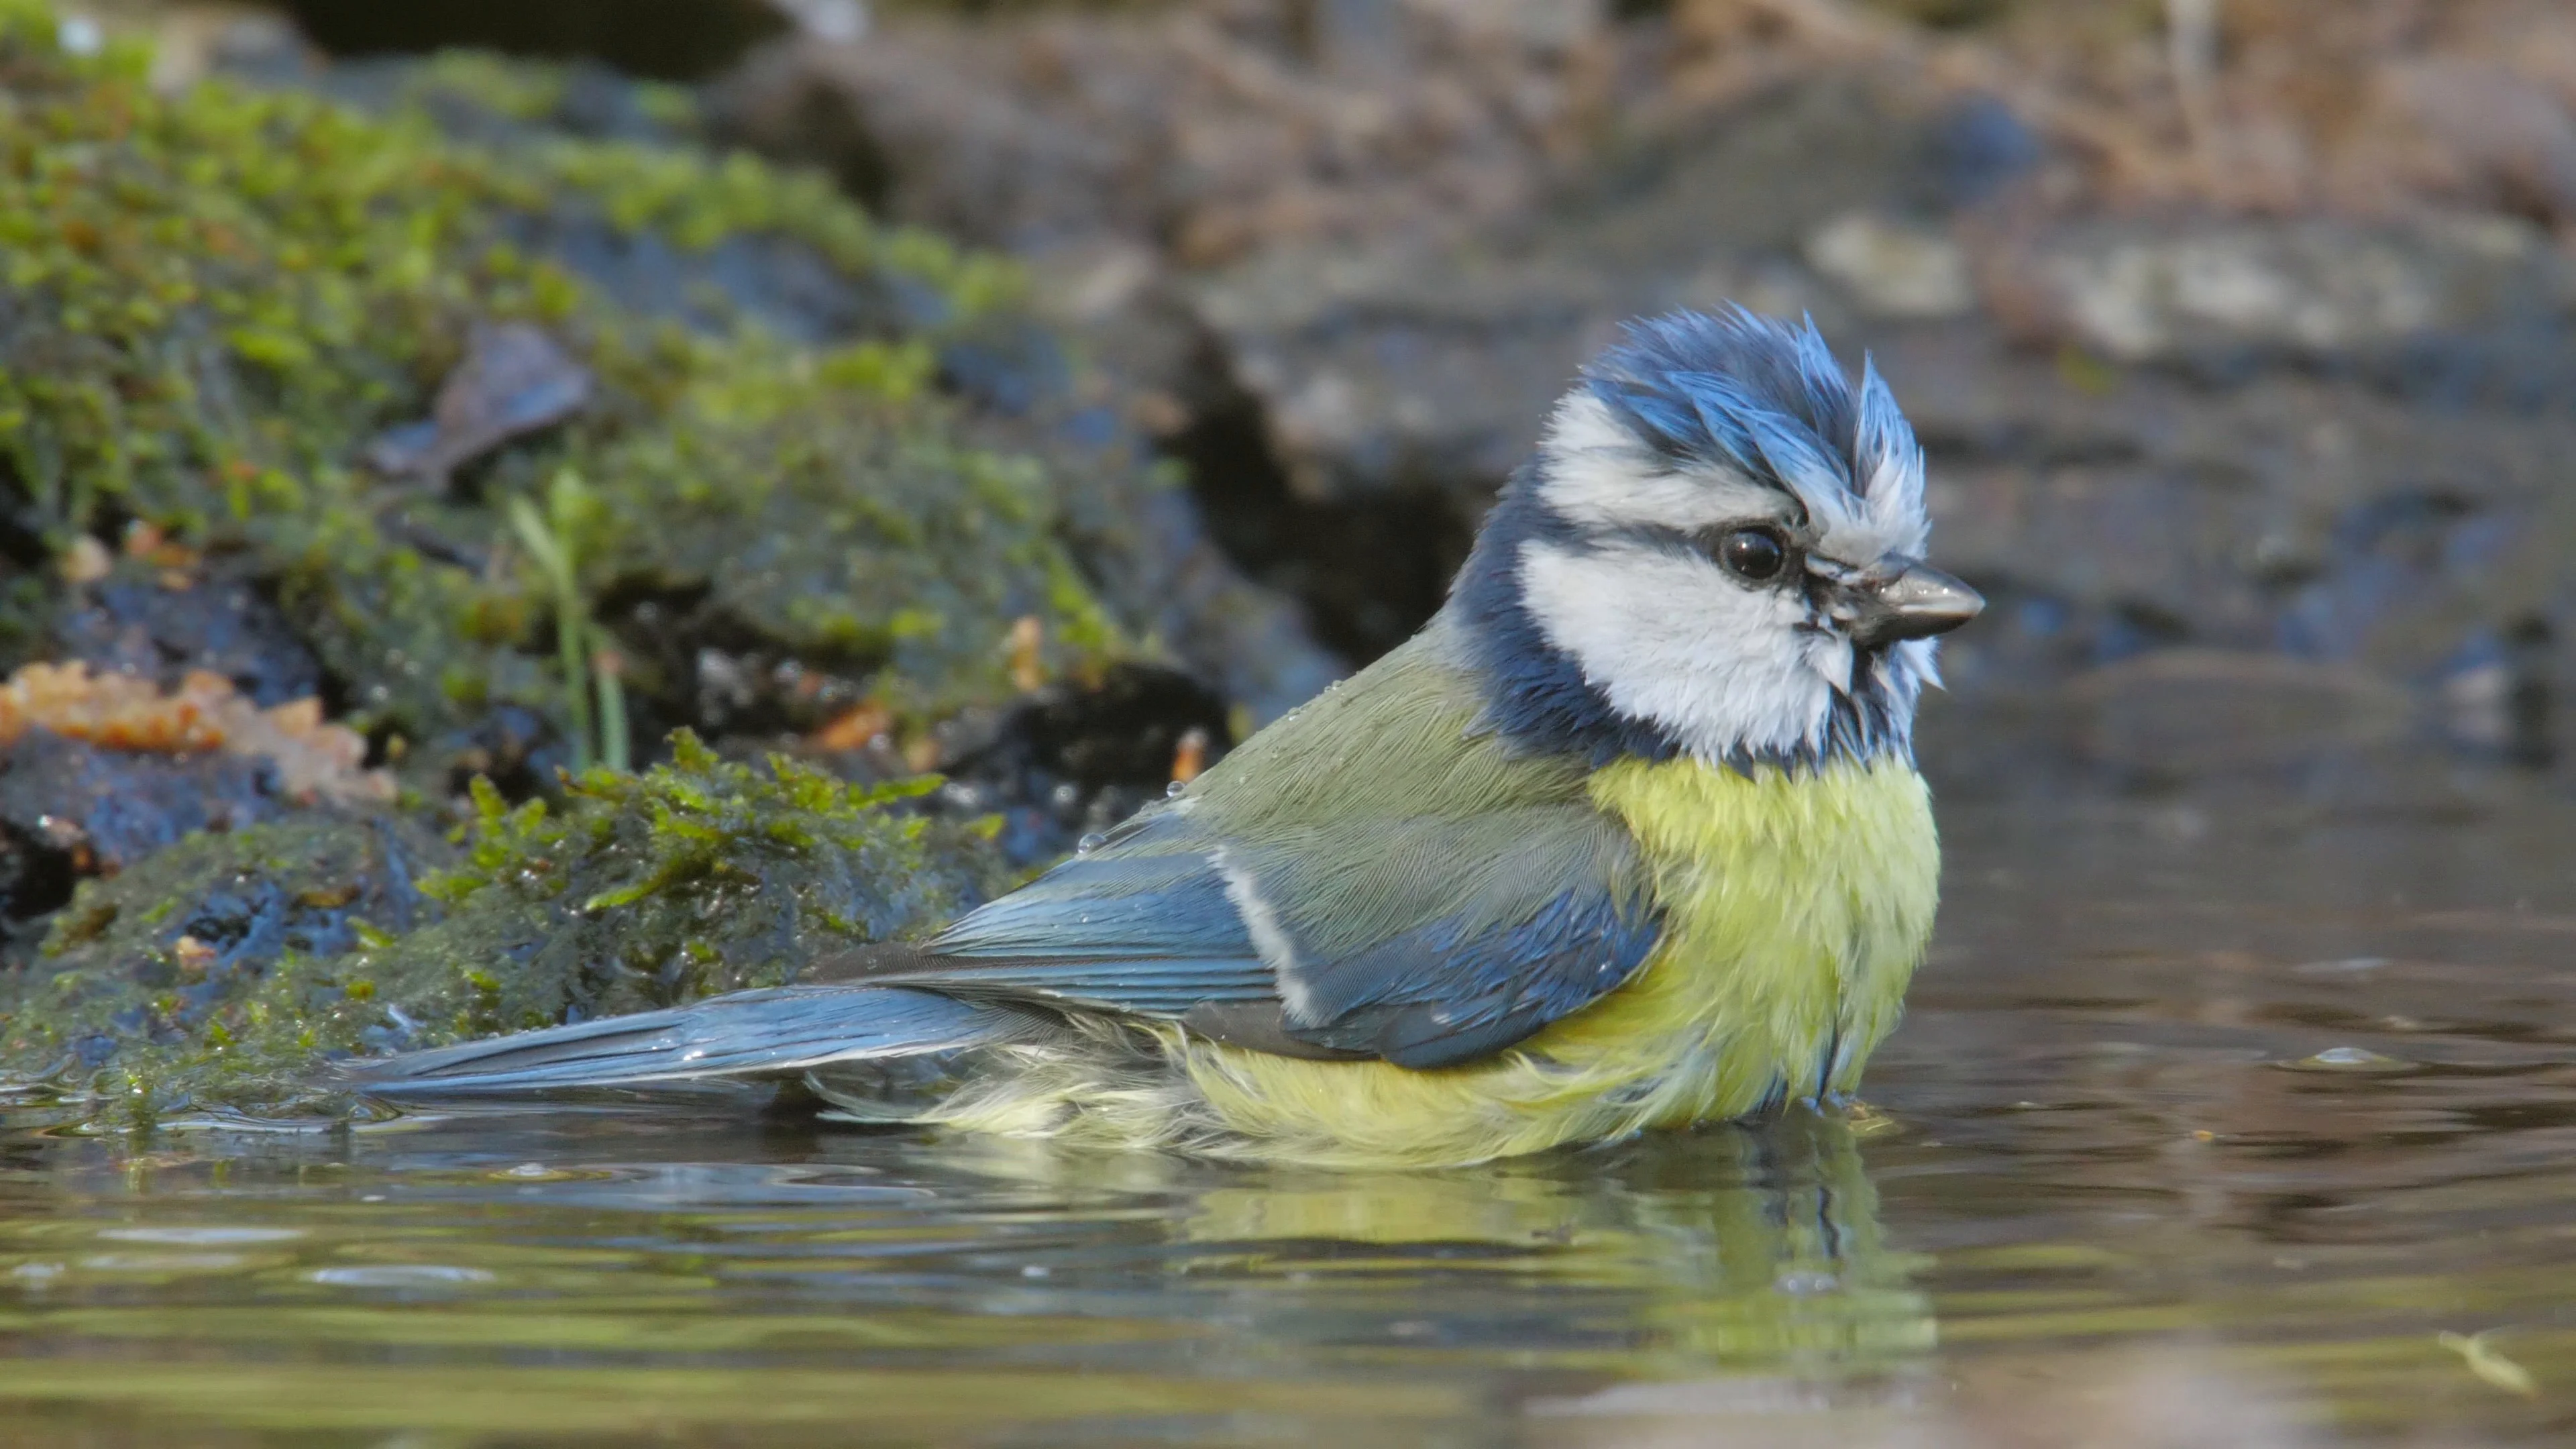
777,1032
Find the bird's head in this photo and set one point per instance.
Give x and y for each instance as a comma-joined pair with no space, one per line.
1718,551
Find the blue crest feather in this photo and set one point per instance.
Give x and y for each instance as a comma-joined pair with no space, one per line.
1740,390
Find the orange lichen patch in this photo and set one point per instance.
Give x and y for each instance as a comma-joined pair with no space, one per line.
193,955
921,755
314,759
147,542
1028,661
86,561
1189,759
114,711
855,728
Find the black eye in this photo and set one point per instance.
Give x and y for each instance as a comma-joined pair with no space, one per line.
1754,553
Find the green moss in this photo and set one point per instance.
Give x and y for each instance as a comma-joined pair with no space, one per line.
310,940
691,878
787,490
516,92
215,299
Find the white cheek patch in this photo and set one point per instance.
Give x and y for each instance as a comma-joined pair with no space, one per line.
1673,640
1598,476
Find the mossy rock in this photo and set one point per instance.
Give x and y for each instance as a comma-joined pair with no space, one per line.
222,975
183,976
213,302
696,877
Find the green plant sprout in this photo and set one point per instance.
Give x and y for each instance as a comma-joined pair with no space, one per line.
548,538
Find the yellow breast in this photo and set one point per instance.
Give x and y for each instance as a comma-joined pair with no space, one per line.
1795,909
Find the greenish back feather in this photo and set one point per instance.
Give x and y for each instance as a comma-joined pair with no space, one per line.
1384,805
1400,738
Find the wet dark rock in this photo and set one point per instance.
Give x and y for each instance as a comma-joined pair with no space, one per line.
100,811
675,39
779,283
1367,569
1155,549
689,662
308,889
37,876
1015,367
518,750
1073,759
139,619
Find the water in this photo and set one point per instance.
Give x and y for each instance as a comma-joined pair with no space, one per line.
2236,1110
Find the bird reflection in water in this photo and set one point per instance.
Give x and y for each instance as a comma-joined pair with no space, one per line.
1751,1248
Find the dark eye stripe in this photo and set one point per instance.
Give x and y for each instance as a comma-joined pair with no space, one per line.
1702,543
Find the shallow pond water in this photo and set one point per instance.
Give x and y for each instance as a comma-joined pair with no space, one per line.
2238,1110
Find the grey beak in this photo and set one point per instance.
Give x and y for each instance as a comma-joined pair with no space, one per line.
1916,603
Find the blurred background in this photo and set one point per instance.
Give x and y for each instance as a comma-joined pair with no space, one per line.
2239,331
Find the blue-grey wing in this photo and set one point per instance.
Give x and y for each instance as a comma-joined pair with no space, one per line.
1139,925
1456,939
1426,940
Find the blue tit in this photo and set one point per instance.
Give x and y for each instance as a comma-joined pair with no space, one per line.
1629,836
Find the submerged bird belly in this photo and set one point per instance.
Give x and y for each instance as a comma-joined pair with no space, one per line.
1794,911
